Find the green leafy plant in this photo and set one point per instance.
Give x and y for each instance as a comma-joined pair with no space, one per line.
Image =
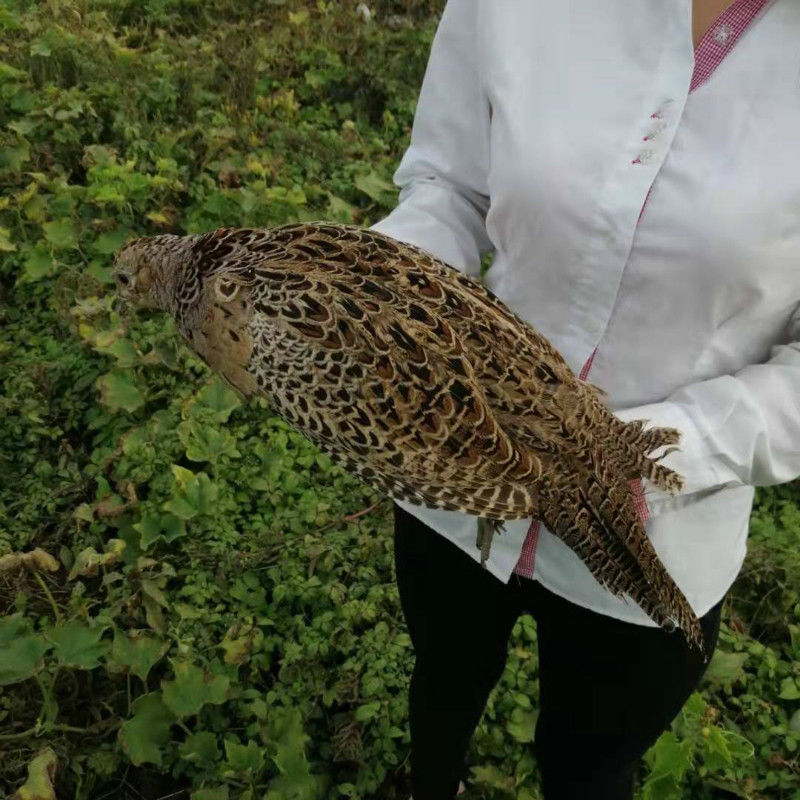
194,601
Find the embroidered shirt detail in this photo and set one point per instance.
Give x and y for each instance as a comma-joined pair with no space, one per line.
655,132
720,38
722,34
645,156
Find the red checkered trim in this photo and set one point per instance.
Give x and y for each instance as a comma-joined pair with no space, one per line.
720,38
587,366
644,204
639,503
527,558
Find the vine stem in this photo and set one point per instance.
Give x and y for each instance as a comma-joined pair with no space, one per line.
59,728
363,512
43,722
49,595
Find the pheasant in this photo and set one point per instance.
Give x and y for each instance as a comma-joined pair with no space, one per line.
420,381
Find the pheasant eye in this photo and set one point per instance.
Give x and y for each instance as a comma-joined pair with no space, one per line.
123,279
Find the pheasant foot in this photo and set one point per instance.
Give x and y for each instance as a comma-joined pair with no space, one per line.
487,528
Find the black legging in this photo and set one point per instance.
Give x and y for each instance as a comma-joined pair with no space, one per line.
607,688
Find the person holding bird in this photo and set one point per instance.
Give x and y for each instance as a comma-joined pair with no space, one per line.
632,168
616,162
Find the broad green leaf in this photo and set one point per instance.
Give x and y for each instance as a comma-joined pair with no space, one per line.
119,391
41,771
40,47
84,512
75,644
136,651
522,700
13,157
669,758
106,193
192,494
789,689
522,725
153,614
200,748
60,234
155,526
9,73
24,126
6,245
35,208
794,722
665,788
103,339
338,209
89,561
249,758
135,439
717,754
94,154
23,100
219,398
491,776
298,17
152,589
239,641
109,242
123,350
740,748
287,738
21,649
367,711
725,667
205,443
695,707
374,186
236,650
794,634
147,731
100,271
192,688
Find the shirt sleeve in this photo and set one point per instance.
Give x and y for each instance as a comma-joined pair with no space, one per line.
736,429
443,174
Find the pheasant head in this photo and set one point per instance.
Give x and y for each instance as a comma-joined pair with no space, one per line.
158,272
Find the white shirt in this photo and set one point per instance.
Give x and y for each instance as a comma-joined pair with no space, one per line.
540,129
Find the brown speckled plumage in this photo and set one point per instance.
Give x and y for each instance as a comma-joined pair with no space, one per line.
420,381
